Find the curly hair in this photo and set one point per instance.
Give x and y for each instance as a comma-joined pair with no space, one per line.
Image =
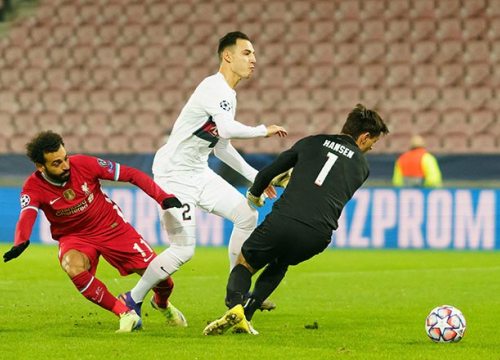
43,142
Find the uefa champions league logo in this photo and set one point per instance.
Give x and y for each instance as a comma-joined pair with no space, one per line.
25,200
225,105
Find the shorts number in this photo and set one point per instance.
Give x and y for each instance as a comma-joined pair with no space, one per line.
140,250
185,213
326,168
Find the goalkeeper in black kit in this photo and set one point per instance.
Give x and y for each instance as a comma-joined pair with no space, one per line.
327,171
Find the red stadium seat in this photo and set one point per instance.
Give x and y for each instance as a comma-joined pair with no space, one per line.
97,121
455,95
322,9
33,78
347,76
373,75
346,53
373,52
481,120
484,143
451,74
426,75
300,32
373,30
274,11
298,10
423,29
399,75
481,97
50,120
474,8
101,100
449,51
478,74
53,100
399,53
297,53
76,100
28,100
423,9
449,29
347,31
426,97
6,124
322,31
397,9
453,120
372,9
455,142
296,76
322,53
449,8
475,29
81,56
400,121
426,121
398,30
477,51
348,10
494,28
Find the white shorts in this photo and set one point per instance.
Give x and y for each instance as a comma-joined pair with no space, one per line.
205,190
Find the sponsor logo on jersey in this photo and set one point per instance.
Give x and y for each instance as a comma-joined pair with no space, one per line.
25,200
80,207
208,132
102,162
225,105
69,194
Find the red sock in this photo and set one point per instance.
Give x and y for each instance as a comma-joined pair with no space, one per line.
162,292
94,290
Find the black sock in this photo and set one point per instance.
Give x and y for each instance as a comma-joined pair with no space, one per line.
267,282
238,285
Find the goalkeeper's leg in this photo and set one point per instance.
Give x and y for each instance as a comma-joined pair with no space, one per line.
266,283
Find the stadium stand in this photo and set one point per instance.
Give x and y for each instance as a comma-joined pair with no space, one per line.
112,75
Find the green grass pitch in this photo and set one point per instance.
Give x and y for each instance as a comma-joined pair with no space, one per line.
368,304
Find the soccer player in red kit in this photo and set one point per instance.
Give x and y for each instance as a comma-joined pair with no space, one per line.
87,224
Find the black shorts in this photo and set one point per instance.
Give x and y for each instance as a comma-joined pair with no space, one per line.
282,239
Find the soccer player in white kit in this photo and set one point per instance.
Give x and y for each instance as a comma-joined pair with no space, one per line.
205,124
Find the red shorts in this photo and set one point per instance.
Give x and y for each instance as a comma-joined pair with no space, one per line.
125,249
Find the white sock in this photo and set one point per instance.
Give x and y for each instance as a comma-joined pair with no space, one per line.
238,237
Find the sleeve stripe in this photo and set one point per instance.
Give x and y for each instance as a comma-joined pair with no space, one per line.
117,172
30,207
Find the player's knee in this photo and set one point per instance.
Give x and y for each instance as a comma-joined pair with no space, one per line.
74,262
183,253
245,217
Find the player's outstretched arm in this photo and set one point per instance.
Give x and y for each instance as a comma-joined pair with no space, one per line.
23,232
276,130
146,184
15,251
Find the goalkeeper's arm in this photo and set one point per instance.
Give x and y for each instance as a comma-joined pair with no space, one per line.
285,161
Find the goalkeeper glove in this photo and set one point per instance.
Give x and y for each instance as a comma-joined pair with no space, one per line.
255,201
170,202
282,180
15,251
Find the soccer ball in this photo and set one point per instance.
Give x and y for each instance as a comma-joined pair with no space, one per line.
445,323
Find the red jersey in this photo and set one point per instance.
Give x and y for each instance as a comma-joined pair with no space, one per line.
79,207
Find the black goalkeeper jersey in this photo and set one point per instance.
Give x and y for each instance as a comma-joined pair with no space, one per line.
328,169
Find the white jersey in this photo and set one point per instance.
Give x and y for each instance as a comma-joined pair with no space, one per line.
205,124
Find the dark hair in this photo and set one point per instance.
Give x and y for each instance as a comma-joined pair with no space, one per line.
229,40
43,142
361,120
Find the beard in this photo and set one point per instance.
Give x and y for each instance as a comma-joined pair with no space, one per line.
58,178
